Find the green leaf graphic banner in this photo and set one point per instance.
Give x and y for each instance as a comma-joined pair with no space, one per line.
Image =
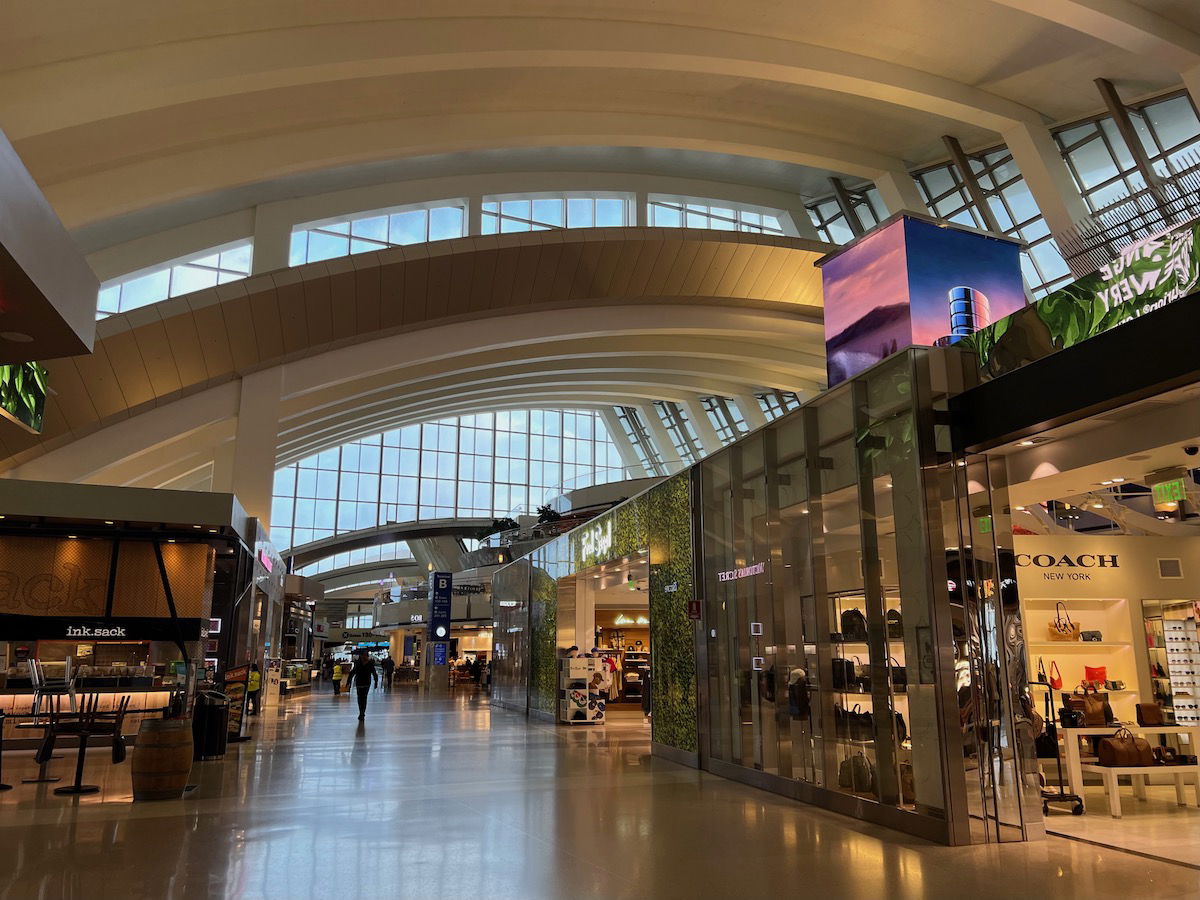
1148,275
23,394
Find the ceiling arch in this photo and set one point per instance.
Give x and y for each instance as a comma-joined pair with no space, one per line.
586,318
124,108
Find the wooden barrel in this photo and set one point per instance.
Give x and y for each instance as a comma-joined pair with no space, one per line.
162,759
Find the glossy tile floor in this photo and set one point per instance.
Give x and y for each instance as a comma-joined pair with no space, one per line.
450,798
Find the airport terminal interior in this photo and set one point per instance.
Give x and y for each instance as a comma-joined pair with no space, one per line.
530,450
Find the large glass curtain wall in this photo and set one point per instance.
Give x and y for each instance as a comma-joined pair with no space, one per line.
485,465
1010,203
830,221
1104,169
823,614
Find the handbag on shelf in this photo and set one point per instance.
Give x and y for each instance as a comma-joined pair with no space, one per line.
843,674
895,624
857,774
1125,749
1150,715
1041,672
898,675
1070,718
854,625
1092,704
1095,674
1061,628
1092,637
1056,680
862,677
1114,684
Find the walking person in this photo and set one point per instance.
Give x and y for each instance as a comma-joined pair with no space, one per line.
253,689
363,676
389,669
337,678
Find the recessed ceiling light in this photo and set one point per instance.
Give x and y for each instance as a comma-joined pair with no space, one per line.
197,526
108,522
170,540
17,337
1020,508
1025,443
1118,480
71,536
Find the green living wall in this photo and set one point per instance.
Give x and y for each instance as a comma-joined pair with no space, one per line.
543,625
672,634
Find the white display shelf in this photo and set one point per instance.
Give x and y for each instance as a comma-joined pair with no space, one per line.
1078,646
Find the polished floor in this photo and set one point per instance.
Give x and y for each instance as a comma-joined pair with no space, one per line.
450,798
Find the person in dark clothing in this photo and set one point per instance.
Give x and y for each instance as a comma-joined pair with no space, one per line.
389,668
363,676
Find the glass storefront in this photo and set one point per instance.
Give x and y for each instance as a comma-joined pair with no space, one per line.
823,616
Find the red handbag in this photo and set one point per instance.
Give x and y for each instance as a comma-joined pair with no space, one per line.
1056,681
1095,674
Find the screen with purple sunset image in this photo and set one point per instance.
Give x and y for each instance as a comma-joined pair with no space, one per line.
914,282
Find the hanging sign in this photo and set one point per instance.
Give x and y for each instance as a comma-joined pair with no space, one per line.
440,591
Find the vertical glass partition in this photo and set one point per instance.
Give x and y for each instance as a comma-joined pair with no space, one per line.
828,635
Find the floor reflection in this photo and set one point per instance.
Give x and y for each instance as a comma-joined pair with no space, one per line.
453,798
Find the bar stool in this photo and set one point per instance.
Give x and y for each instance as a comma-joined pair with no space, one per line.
50,687
87,723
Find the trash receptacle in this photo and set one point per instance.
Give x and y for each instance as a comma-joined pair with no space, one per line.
210,725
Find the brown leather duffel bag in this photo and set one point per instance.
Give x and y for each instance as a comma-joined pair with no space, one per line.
1124,749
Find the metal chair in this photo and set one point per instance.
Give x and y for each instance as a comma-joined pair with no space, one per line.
49,687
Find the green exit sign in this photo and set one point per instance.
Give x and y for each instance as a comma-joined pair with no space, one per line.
1170,492
984,524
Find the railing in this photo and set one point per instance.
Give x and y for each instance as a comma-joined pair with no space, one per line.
1095,242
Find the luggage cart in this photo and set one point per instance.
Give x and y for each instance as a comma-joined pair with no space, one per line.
1060,795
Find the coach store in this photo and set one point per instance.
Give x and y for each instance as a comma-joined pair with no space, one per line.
1088,495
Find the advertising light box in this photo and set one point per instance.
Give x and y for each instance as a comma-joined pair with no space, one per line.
911,282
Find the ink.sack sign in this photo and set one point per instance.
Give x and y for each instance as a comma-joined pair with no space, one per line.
1086,567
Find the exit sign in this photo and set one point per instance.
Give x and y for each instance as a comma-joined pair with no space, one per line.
984,523
1169,494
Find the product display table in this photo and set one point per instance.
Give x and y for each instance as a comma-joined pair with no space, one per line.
1074,763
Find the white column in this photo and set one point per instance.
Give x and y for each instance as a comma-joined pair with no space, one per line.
801,221
1047,176
640,217
900,192
474,215
751,411
246,467
703,427
1191,81
629,457
661,437
272,238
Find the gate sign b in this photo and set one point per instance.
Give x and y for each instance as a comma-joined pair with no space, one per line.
440,590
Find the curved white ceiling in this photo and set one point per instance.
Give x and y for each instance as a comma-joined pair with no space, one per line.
120,107
587,318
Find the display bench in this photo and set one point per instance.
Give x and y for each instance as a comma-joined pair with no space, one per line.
143,703
579,694
1138,774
